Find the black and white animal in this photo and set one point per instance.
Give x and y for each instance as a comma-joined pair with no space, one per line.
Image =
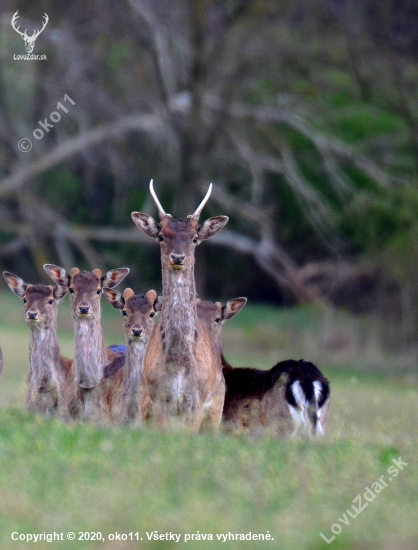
291,395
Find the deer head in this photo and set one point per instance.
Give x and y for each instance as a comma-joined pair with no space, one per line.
40,300
214,315
85,287
29,40
178,238
138,311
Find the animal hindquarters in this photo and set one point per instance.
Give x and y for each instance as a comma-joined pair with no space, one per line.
308,403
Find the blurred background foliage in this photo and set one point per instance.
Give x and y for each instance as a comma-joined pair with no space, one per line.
304,114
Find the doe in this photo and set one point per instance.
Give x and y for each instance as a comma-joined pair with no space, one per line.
48,370
121,394
90,353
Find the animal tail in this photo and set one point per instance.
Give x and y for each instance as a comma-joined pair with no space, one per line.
309,397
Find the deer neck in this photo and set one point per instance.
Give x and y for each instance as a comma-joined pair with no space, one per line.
90,351
179,319
44,356
134,366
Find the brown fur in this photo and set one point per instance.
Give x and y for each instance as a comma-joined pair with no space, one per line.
259,400
83,393
121,379
48,375
182,371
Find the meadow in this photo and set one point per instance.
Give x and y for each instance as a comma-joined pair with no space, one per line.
58,477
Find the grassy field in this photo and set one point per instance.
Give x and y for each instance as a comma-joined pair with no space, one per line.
57,477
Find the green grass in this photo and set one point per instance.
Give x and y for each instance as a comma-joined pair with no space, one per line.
58,477
72,477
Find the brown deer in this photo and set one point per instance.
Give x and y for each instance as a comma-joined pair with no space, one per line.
280,400
90,353
182,372
48,370
121,394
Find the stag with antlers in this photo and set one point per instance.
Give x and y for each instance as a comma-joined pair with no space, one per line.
182,372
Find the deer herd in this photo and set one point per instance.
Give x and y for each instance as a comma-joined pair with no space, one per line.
171,373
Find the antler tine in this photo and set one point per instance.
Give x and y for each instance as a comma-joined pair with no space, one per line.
46,20
199,209
161,212
38,32
14,18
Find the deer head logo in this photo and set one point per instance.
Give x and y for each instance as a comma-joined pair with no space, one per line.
29,40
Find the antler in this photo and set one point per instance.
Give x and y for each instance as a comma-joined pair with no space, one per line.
199,209
37,33
14,19
161,212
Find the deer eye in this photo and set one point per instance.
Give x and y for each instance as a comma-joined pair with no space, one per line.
217,320
71,290
24,300
195,239
160,238
152,314
51,301
124,313
99,291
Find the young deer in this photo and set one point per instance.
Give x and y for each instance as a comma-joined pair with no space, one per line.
289,395
182,372
48,370
90,353
121,394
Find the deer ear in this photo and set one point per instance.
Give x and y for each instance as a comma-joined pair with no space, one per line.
146,224
210,227
158,304
59,276
15,283
114,298
151,296
114,277
59,292
127,294
231,308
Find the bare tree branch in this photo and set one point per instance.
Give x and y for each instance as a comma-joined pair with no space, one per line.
10,184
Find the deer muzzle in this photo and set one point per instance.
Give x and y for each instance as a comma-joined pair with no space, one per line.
137,332
32,315
177,261
83,309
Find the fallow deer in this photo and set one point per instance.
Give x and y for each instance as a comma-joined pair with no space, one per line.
90,353
182,372
48,370
281,400
121,394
